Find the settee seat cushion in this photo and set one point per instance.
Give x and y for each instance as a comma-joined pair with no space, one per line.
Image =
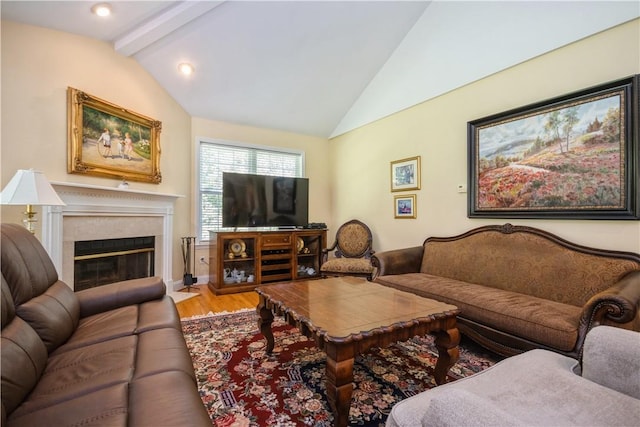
348,266
547,322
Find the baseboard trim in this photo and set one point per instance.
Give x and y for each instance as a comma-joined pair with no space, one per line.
176,285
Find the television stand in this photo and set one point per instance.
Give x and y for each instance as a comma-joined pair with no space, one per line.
240,261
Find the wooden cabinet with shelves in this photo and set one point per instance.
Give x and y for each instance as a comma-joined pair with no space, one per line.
240,261
308,249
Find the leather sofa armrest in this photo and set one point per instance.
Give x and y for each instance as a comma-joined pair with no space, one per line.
614,306
398,261
120,294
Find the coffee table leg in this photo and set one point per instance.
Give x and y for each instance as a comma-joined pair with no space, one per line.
265,319
448,353
339,382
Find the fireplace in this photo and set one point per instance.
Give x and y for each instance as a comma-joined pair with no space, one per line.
99,262
95,213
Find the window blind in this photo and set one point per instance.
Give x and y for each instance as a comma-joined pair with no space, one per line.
218,157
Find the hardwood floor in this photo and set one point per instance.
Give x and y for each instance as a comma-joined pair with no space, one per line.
207,301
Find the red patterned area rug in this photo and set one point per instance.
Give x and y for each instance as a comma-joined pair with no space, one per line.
241,385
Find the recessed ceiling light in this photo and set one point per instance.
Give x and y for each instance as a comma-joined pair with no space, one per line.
102,9
186,68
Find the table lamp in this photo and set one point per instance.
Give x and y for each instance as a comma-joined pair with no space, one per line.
31,188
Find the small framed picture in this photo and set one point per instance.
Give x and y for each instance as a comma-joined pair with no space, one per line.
404,206
405,174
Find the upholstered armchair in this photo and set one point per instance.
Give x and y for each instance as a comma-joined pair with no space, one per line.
352,256
539,388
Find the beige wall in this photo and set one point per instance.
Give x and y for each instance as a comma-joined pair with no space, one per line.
37,66
316,162
436,130
349,176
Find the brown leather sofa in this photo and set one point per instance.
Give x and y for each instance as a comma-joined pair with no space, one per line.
520,288
112,355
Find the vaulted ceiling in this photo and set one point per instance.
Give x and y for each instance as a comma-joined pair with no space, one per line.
323,67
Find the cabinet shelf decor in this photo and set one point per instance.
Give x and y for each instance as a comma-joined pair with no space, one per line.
240,261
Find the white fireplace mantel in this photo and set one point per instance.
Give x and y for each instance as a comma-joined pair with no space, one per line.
94,201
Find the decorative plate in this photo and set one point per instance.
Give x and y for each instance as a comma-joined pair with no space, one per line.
300,244
237,246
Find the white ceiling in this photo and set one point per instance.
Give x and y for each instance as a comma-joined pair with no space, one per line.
323,67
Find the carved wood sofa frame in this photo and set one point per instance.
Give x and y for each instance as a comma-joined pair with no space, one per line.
586,286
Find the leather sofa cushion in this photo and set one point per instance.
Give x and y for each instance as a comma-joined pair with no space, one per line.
160,313
25,264
102,327
54,314
23,359
162,350
8,310
176,402
23,355
104,407
537,319
82,371
124,321
90,369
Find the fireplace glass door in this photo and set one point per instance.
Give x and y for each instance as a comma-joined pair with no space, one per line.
99,262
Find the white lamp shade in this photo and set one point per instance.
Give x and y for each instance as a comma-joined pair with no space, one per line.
29,187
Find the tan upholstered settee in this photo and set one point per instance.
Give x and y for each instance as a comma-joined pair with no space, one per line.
520,288
113,355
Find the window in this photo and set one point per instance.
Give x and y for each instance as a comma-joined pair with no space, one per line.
216,157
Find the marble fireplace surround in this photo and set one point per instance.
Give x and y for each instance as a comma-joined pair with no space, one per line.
94,212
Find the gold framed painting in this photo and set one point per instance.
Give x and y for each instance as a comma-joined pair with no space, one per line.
107,140
404,206
405,174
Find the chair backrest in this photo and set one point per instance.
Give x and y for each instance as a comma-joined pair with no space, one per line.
353,240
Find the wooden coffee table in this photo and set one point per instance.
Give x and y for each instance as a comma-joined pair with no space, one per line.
346,316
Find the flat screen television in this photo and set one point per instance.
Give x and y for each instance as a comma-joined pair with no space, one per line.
264,201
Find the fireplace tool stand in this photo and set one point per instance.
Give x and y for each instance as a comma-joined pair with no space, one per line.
189,259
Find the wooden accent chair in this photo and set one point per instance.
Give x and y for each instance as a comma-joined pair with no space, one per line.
352,252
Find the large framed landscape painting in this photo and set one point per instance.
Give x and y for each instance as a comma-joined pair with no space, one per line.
110,141
571,157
